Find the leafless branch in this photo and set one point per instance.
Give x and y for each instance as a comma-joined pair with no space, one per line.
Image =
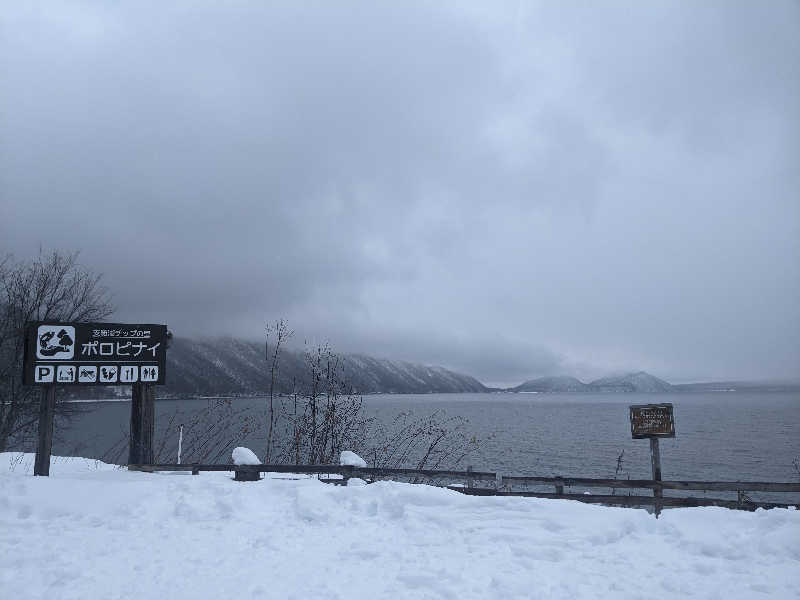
51,286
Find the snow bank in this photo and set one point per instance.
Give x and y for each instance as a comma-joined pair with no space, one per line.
351,459
94,531
244,456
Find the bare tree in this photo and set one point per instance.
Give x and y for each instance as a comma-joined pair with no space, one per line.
52,286
282,334
326,414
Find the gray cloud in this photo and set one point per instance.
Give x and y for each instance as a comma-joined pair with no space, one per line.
511,191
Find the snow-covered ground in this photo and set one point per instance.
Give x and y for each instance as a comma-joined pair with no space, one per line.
91,530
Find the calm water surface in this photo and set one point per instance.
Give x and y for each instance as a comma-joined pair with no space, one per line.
720,436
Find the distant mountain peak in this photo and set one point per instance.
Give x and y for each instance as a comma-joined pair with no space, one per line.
553,383
635,381
638,381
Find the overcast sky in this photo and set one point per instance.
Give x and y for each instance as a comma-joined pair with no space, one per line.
508,189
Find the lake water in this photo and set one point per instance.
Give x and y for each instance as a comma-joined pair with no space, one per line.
720,436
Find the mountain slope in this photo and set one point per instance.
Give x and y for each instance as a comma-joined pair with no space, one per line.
560,383
230,366
373,374
632,382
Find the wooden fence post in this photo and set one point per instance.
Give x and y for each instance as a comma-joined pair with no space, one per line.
245,475
47,411
143,397
655,462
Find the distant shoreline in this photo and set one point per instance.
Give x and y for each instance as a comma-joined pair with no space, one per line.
680,392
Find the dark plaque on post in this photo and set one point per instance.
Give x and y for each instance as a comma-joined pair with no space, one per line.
94,353
652,420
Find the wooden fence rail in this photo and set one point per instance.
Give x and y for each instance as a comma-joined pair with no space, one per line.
632,501
503,485
719,486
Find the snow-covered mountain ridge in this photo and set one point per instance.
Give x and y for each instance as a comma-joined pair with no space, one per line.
231,366
632,382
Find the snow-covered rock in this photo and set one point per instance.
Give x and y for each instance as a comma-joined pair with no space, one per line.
356,481
351,459
244,456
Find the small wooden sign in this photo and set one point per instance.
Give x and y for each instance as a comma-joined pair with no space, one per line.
652,421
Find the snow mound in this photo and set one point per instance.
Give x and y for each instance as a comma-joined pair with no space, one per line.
351,459
244,456
356,481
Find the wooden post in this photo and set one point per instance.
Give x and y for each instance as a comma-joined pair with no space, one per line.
469,476
247,475
47,411
655,462
143,397
180,442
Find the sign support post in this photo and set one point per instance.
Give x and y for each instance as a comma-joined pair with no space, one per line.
47,411
653,421
655,461
142,424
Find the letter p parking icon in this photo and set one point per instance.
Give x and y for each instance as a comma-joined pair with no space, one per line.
43,373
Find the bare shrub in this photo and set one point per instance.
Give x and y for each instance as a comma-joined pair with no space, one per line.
434,441
325,416
618,470
282,334
209,434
